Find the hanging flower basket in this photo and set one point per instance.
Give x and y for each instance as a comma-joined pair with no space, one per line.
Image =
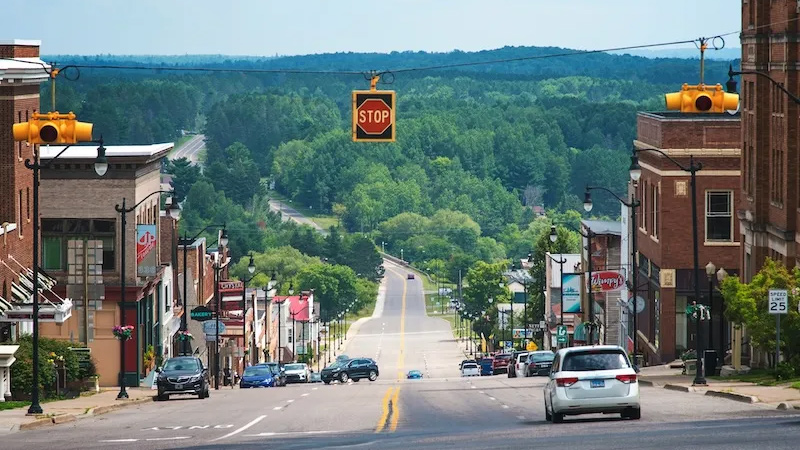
123,333
184,336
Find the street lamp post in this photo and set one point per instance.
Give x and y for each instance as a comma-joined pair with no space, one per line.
251,268
692,169
174,212
100,168
711,269
218,264
269,292
731,83
632,204
185,241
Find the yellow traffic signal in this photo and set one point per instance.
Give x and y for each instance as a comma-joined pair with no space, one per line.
702,99
53,128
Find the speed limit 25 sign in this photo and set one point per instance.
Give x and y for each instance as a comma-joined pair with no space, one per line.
778,301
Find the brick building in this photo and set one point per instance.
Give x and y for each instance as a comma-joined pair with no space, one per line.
769,204
665,260
20,78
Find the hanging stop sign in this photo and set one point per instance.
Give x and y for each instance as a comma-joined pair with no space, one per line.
373,116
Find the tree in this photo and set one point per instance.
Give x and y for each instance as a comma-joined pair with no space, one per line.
485,281
361,255
184,176
335,286
746,304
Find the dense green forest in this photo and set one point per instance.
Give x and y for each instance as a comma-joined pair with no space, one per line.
481,150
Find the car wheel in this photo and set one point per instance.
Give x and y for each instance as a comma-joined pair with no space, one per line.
327,382
343,377
163,397
355,380
547,415
633,414
557,417
373,375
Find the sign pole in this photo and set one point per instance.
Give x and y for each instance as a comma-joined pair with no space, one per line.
777,339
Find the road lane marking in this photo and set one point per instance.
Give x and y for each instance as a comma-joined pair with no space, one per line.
492,398
401,357
176,438
395,410
277,408
301,395
235,432
385,414
293,433
314,389
119,440
287,401
505,406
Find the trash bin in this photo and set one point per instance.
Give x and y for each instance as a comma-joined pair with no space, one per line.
710,363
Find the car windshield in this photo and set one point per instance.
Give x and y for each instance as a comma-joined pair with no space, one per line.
470,366
543,357
595,360
181,364
335,365
254,371
523,358
294,367
502,357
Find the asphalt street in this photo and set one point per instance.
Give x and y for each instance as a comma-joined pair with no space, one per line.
190,149
440,411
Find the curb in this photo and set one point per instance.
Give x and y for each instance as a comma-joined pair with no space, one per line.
648,383
680,388
734,396
106,409
66,418
36,424
783,406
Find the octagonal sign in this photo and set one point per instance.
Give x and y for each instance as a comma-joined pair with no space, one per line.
373,116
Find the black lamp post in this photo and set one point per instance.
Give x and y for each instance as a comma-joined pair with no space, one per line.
692,168
218,265
632,204
251,268
174,212
185,242
269,292
100,167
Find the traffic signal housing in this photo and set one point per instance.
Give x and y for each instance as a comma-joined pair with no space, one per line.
702,99
53,128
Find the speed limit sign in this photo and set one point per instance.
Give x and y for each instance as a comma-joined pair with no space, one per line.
778,301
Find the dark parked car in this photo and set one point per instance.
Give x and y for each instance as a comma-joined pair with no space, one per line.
539,363
277,372
500,363
354,369
410,276
182,375
257,376
487,366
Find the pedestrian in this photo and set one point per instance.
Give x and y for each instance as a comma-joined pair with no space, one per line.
226,376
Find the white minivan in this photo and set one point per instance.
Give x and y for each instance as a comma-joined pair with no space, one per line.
592,379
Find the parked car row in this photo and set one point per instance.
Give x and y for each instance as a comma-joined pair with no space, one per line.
515,364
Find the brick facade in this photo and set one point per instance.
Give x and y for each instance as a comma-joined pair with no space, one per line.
664,222
769,205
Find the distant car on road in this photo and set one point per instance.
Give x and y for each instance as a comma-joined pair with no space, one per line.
592,379
515,364
500,363
470,369
487,366
257,376
315,377
182,375
297,373
354,369
410,276
277,373
414,375
539,363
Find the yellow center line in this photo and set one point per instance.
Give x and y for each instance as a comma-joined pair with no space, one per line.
385,415
395,410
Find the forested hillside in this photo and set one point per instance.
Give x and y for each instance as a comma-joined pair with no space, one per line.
478,147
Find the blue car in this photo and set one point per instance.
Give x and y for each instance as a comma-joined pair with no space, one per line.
257,376
487,366
414,375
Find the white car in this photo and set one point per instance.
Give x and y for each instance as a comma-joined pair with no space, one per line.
592,379
297,373
470,369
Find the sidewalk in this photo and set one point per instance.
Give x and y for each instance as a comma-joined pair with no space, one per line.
63,411
780,397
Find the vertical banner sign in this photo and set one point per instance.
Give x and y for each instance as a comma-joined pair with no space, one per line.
146,250
373,116
571,292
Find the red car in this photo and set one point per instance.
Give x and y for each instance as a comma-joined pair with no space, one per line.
500,362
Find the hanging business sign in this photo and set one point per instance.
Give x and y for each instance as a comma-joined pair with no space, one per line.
146,241
571,292
201,314
607,281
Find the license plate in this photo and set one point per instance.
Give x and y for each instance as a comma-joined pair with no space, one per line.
178,386
598,383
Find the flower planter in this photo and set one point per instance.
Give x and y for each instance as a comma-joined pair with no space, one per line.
690,367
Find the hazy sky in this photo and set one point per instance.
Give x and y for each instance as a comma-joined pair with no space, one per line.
291,27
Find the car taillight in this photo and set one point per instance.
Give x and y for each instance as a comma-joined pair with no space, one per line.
566,382
627,378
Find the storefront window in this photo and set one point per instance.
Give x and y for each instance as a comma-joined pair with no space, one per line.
681,332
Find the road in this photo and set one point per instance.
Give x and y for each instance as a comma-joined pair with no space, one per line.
190,149
289,213
440,411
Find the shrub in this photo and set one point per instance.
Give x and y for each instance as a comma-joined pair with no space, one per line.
689,354
785,370
49,351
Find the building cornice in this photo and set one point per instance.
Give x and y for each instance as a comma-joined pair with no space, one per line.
686,152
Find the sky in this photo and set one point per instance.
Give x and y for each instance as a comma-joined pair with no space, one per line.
298,27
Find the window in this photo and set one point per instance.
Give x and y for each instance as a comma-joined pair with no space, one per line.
56,233
654,206
643,206
719,216
21,219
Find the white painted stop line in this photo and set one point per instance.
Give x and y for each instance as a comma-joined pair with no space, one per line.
235,432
